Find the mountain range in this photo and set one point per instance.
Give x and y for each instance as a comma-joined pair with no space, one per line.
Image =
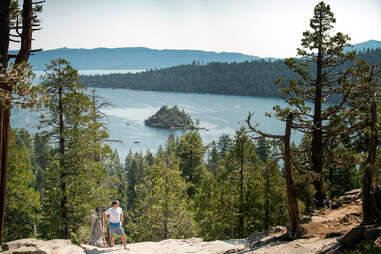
132,58
371,44
146,58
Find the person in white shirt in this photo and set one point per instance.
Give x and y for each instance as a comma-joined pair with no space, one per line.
114,216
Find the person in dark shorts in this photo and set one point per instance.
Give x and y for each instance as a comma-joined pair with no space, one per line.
114,216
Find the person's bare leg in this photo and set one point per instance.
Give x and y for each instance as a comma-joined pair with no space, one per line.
124,240
112,241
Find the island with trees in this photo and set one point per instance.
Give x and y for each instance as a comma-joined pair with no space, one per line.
170,118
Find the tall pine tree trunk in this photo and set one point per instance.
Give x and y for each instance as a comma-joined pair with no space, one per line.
5,120
371,208
64,208
240,208
5,104
26,35
317,138
267,200
166,209
295,230
232,211
4,111
4,33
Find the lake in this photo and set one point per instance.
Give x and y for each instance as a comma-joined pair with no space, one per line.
219,114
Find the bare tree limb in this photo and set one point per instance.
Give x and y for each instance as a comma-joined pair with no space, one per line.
256,130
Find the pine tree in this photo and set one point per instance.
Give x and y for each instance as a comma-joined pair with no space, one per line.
365,120
149,158
323,75
205,206
118,176
133,179
224,145
16,88
295,230
213,162
262,149
172,143
274,206
73,123
22,213
163,210
242,158
341,173
190,151
273,187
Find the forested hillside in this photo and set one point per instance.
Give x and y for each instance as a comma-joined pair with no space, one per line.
255,78
248,78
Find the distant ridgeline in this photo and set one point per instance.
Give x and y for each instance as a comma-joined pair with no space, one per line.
254,78
132,58
170,118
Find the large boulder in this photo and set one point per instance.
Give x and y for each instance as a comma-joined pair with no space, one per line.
301,246
34,246
272,235
97,236
348,198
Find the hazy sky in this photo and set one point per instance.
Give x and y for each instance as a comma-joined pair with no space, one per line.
266,28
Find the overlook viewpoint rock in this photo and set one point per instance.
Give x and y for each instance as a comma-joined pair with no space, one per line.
328,230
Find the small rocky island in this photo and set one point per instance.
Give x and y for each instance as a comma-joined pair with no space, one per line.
170,118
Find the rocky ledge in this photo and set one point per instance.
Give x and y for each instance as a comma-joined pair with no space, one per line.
33,246
327,231
171,246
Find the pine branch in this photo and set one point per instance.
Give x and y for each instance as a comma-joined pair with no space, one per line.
39,2
261,133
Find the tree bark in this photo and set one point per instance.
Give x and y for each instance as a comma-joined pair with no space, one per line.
4,45
4,164
295,230
241,208
4,32
317,138
267,201
26,35
232,214
5,106
371,208
166,208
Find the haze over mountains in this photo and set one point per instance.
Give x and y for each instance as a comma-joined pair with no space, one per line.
146,58
132,58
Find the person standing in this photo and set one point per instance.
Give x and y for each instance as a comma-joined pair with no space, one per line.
114,216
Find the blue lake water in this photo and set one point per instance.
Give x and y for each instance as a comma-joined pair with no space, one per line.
219,114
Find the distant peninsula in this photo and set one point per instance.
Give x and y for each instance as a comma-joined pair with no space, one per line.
170,118
254,78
